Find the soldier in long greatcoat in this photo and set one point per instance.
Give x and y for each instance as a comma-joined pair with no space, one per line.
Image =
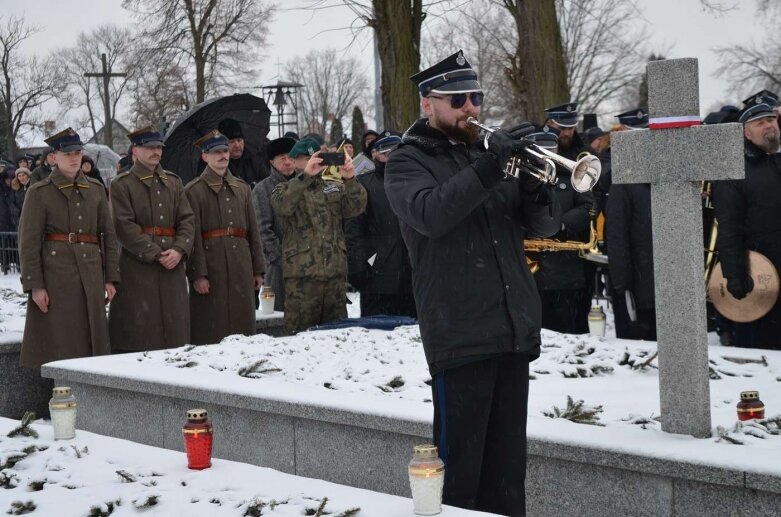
68,258
226,265
156,229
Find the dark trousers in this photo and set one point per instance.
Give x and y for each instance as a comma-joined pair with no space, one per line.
562,311
373,304
642,329
763,333
480,429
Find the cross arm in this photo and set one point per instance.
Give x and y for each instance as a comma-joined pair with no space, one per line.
678,155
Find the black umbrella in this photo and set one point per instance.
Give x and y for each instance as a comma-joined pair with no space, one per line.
182,158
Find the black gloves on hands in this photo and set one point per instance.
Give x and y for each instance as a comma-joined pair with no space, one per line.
740,286
502,146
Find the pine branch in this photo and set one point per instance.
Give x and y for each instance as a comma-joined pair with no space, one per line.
149,502
576,412
126,477
257,369
349,513
24,429
20,508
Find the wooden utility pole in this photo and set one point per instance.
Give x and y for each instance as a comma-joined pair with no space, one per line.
106,76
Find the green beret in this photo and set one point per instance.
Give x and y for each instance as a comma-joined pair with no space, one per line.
307,146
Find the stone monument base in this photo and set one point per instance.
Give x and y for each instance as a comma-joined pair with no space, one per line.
372,450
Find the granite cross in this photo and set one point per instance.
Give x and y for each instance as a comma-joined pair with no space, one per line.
675,155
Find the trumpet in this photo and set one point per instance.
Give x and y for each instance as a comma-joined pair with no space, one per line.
541,164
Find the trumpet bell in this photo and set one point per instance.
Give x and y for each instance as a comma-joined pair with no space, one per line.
586,173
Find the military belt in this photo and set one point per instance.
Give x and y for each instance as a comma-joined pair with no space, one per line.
164,231
72,238
225,232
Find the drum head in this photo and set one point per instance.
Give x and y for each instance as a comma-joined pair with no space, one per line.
758,302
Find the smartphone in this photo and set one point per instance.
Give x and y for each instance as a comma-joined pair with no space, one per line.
332,158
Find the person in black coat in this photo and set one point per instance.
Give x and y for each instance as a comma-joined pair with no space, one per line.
561,278
749,216
464,224
243,163
630,258
378,262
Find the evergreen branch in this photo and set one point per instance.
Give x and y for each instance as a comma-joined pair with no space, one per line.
24,429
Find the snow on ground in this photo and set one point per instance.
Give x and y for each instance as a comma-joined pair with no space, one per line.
69,478
385,373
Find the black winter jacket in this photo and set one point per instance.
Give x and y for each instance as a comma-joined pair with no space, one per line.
474,293
377,232
561,270
630,242
749,212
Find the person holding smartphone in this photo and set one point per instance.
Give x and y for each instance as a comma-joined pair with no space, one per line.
312,211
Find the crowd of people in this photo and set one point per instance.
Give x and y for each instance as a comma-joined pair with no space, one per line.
427,224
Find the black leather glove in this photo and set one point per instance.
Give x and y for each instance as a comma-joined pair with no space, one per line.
359,280
502,145
740,286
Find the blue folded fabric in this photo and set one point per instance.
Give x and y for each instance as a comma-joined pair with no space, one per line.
378,322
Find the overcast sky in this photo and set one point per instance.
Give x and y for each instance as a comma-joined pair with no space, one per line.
679,27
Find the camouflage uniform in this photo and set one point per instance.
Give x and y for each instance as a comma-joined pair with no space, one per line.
314,251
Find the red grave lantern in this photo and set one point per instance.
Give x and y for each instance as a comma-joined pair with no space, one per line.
198,437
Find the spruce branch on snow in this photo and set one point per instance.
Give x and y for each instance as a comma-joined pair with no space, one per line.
24,429
104,510
20,508
577,412
257,369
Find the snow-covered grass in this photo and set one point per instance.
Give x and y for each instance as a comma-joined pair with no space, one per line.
90,474
13,307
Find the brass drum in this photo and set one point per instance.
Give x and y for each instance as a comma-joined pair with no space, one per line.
758,302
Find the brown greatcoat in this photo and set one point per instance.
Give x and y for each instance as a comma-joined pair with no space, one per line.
229,263
151,310
72,274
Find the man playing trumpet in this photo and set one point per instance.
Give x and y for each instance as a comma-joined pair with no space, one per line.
464,223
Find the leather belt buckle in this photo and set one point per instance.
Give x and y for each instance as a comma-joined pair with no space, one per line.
155,231
231,231
73,238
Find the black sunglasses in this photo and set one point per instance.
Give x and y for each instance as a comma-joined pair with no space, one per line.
457,100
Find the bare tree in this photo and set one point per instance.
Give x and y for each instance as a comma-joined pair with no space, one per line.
758,64
218,41
332,86
85,93
601,58
26,83
160,94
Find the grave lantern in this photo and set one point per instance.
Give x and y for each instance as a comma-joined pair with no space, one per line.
62,408
596,321
198,437
750,406
426,479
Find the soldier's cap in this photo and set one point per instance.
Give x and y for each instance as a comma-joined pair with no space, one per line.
565,115
146,137
548,138
385,134
212,141
755,112
230,128
452,75
279,146
635,118
386,144
65,141
305,147
762,97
